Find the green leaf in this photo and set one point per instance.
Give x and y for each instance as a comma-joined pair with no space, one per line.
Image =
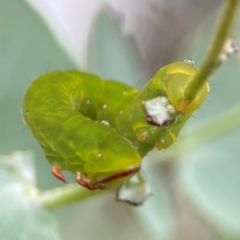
210,178
21,218
157,214
113,55
27,49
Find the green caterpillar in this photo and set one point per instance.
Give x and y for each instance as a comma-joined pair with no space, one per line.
100,130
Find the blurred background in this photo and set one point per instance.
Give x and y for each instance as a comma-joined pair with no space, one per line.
196,192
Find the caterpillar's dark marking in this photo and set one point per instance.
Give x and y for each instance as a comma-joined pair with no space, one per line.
99,129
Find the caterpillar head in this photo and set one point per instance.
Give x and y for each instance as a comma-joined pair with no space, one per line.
167,95
175,80
165,104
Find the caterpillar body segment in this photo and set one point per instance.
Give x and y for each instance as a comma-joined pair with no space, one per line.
64,111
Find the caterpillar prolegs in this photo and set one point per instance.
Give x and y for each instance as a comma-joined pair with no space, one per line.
100,130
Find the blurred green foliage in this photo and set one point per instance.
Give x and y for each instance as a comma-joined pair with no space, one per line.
27,49
21,218
209,176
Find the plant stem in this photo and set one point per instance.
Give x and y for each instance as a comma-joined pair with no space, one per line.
209,63
68,194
